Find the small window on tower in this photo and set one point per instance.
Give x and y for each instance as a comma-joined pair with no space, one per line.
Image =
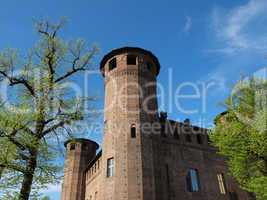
110,167
112,64
133,131
131,60
149,66
72,146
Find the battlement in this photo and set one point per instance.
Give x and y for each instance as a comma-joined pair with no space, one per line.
184,132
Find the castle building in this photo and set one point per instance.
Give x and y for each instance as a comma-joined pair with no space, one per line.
144,156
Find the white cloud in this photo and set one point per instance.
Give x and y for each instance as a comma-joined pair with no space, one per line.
52,189
187,25
241,28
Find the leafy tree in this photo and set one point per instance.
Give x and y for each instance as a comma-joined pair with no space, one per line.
41,108
241,134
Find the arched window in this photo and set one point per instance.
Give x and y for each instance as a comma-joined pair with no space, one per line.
192,180
133,131
112,64
72,146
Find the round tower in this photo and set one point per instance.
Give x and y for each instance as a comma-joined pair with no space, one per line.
130,104
79,153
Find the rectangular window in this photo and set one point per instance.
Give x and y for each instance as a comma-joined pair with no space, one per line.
192,180
131,60
221,182
112,64
188,138
199,139
110,167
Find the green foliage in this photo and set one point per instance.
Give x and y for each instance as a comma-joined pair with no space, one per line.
241,134
41,108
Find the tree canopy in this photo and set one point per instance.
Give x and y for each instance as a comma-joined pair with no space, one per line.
40,108
241,134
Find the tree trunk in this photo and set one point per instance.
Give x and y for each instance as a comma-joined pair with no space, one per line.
28,177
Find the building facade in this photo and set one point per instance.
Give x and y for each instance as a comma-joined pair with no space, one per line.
144,156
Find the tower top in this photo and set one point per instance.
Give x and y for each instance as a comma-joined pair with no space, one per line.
122,50
81,140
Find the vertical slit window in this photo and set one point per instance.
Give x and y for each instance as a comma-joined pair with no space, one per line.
133,131
110,167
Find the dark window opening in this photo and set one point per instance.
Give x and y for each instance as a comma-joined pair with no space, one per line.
149,66
133,132
112,64
199,139
72,146
131,60
192,181
233,196
188,138
176,134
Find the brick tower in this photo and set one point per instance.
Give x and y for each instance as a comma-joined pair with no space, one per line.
79,153
175,162
130,102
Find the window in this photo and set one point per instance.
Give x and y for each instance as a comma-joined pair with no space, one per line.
192,180
149,66
110,167
72,146
176,134
133,131
112,64
199,139
221,182
188,138
233,196
131,60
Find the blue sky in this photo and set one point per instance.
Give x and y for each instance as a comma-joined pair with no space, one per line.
197,42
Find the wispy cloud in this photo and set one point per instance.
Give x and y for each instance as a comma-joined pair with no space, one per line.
188,25
52,189
241,28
